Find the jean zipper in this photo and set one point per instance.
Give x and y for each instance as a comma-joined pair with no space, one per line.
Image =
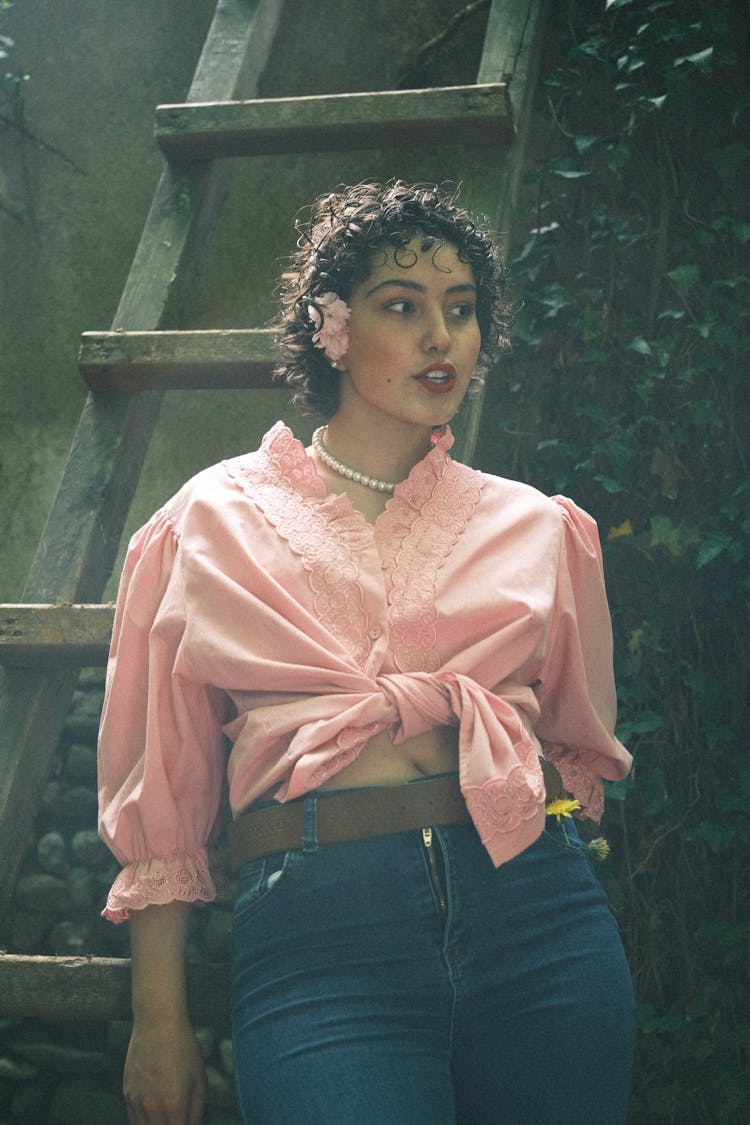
432,860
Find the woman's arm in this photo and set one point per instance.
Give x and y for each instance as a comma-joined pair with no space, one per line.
165,1079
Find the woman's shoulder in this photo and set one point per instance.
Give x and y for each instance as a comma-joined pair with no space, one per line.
205,488
504,491
507,502
220,483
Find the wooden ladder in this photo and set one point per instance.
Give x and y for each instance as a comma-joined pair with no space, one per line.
59,627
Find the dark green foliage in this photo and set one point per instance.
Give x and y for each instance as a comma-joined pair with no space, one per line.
628,389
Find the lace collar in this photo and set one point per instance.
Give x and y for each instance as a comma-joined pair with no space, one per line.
291,459
422,522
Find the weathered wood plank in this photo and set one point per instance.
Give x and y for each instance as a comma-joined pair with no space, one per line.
510,54
119,361
80,540
467,114
55,634
511,43
97,988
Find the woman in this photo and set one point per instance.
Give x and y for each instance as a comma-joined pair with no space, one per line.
401,650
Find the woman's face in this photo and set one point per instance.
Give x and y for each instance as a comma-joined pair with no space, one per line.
414,339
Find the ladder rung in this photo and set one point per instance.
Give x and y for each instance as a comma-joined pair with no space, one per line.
452,114
132,361
96,988
54,634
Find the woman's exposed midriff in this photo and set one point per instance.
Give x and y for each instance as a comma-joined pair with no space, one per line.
381,763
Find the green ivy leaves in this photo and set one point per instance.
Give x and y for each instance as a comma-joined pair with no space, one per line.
628,388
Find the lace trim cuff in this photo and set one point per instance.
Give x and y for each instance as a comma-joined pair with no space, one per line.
182,878
580,778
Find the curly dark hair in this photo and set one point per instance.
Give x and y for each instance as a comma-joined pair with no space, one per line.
335,251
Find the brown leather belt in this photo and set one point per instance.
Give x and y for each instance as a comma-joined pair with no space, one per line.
356,814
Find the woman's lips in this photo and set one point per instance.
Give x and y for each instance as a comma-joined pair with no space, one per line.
438,378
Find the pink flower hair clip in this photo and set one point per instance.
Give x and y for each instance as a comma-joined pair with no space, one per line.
329,315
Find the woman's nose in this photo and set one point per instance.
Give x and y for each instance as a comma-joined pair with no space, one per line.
436,336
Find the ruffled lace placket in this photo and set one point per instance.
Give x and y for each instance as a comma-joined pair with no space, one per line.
415,535
323,531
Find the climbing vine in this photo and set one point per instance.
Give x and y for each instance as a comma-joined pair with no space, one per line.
628,389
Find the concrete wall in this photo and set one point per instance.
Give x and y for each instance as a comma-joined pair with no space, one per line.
96,70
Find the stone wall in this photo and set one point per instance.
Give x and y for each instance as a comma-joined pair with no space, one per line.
68,1074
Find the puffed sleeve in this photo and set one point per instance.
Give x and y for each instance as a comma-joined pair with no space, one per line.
161,750
575,686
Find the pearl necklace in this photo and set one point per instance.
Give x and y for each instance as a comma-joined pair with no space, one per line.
344,470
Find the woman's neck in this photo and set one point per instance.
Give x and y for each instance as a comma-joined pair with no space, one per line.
387,453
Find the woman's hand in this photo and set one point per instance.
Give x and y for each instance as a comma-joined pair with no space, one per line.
165,1076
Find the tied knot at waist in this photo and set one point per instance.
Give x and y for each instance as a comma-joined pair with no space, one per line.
327,732
403,703
417,701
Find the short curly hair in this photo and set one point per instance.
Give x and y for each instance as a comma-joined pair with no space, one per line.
335,251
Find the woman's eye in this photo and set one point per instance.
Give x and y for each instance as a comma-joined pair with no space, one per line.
463,312
402,306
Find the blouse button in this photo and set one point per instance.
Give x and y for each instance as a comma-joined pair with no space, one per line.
375,632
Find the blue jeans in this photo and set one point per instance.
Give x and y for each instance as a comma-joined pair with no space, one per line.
377,984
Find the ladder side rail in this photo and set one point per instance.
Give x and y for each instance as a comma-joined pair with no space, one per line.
510,54
235,50
81,536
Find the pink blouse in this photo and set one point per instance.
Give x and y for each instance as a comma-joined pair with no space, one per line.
256,606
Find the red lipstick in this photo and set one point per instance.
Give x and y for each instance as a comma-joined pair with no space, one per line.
438,378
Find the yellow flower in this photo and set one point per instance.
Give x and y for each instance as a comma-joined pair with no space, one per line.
625,528
598,848
561,807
